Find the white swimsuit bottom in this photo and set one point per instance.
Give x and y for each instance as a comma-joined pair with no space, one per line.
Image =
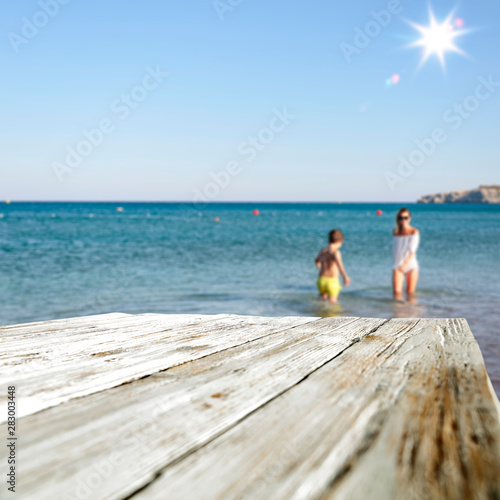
402,246
412,265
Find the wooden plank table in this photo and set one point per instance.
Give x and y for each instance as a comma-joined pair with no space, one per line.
196,407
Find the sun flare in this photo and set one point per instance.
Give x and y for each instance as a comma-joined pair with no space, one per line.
439,38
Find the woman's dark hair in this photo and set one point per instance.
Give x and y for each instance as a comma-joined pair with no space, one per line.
335,236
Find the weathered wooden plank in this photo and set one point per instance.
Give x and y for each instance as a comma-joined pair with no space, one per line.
408,407
85,363
442,438
64,330
58,344
44,351
56,324
135,430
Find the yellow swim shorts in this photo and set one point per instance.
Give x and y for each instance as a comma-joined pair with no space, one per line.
330,286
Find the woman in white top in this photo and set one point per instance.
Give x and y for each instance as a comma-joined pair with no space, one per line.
404,248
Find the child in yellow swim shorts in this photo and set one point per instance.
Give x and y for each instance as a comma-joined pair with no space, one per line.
330,265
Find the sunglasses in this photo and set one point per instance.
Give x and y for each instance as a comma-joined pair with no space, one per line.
403,217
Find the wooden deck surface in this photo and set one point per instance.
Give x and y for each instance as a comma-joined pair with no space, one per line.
188,407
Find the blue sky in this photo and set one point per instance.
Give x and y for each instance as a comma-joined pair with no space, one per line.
326,129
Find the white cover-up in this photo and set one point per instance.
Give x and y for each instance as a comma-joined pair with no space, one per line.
402,246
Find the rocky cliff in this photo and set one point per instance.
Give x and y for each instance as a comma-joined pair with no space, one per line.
482,194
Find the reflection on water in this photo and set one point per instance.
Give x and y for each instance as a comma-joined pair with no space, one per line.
351,305
408,308
325,309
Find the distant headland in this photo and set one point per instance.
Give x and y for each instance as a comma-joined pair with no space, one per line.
482,194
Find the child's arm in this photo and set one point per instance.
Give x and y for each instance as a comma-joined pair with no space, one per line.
338,258
317,260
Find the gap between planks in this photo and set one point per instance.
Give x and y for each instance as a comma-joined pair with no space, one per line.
193,384
351,424
127,357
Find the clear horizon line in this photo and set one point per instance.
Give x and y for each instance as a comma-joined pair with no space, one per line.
203,203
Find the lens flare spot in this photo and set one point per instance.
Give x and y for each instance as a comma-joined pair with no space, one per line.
459,22
393,80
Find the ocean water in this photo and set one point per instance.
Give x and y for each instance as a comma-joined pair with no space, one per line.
70,259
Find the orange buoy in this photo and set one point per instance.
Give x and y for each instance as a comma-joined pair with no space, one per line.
217,219
256,212
379,212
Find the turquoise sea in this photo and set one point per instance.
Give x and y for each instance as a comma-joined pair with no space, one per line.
70,259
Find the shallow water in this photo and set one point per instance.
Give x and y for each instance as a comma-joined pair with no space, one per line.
71,259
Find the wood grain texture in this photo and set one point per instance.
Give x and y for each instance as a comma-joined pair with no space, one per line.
158,420
231,407
62,364
404,413
443,435
59,324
